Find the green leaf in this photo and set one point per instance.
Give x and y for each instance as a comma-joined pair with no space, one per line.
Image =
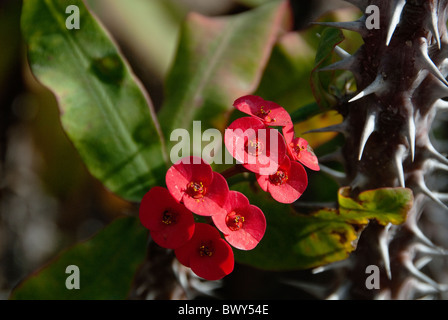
218,60
320,81
298,241
286,78
104,109
107,264
293,241
386,205
137,18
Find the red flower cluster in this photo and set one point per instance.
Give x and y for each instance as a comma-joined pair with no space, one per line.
273,157
194,188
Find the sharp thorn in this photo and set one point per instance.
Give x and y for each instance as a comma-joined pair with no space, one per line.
331,266
430,250
369,128
396,14
318,291
420,275
432,164
384,249
341,52
340,293
420,235
426,289
359,181
428,64
424,189
441,105
356,26
411,224
383,295
341,128
338,175
344,64
376,86
410,132
434,26
423,261
433,152
334,156
399,157
441,196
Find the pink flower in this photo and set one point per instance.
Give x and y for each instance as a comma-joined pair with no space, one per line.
269,112
170,224
242,224
258,148
300,150
207,254
193,182
287,184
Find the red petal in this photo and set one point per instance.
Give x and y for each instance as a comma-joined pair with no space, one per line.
216,267
272,145
235,201
238,133
189,169
269,112
264,181
294,186
203,234
213,200
179,226
252,230
305,156
288,133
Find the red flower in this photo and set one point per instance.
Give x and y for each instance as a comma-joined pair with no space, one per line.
301,151
287,184
269,112
170,224
207,254
258,148
193,182
243,224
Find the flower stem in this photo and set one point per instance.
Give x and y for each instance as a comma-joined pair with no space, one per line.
232,171
233,176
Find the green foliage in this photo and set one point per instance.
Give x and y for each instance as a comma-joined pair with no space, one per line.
321,81
107,264
104,109
110,119
218,60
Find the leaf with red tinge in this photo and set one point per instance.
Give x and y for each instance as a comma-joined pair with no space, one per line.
105,110
218,60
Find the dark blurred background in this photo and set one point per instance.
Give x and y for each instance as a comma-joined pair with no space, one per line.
48,200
